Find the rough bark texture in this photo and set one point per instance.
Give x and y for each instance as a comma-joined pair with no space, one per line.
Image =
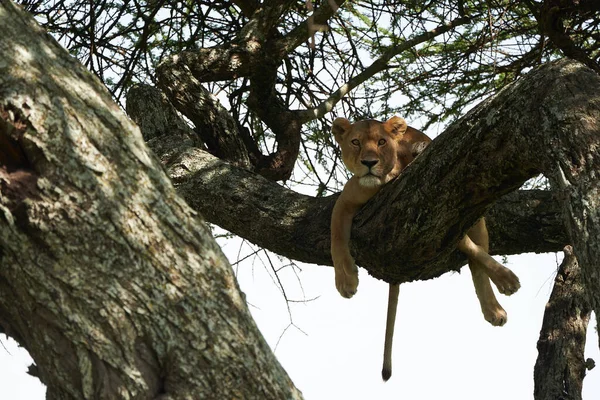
560,367
297,226
213,124
115,286
110,281
150,100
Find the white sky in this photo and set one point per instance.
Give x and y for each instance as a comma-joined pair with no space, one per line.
443,347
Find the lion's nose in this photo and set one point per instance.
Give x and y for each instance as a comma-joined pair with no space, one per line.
369,163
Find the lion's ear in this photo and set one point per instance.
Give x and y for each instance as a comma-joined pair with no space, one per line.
396,125
339,127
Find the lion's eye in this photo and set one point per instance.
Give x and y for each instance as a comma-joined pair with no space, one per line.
382,142
355,142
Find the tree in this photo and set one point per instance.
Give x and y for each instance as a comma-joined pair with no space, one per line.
78,184
109,279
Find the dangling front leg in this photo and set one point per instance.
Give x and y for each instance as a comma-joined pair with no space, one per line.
346,275
352,198
346,272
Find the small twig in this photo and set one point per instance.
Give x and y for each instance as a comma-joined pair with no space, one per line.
4,347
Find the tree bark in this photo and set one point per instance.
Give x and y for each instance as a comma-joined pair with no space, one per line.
560,367
110,281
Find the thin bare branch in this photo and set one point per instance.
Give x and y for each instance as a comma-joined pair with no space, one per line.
377,66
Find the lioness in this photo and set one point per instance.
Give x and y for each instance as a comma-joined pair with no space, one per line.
377,152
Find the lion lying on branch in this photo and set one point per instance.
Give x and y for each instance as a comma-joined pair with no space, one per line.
377,152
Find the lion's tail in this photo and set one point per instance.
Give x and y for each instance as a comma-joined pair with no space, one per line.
386,372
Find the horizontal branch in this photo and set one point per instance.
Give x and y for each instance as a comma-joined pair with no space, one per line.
297,226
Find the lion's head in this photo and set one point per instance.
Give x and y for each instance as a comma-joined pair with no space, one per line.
372,150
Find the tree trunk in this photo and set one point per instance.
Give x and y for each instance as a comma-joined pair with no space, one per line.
110,281
560,367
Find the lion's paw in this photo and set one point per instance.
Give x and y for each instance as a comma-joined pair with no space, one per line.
505,280
346,276
494,314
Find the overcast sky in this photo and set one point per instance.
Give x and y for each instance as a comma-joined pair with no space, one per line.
443,348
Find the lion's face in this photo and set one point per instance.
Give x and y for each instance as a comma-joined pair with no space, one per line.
370,148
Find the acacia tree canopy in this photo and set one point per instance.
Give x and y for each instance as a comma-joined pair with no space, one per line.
425,61
276,95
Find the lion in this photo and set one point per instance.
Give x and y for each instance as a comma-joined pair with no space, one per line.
377,152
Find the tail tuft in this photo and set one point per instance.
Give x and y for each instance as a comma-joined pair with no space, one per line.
386,373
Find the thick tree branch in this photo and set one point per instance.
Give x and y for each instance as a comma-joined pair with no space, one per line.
561,367
275,217
156,116
216,127
297,226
